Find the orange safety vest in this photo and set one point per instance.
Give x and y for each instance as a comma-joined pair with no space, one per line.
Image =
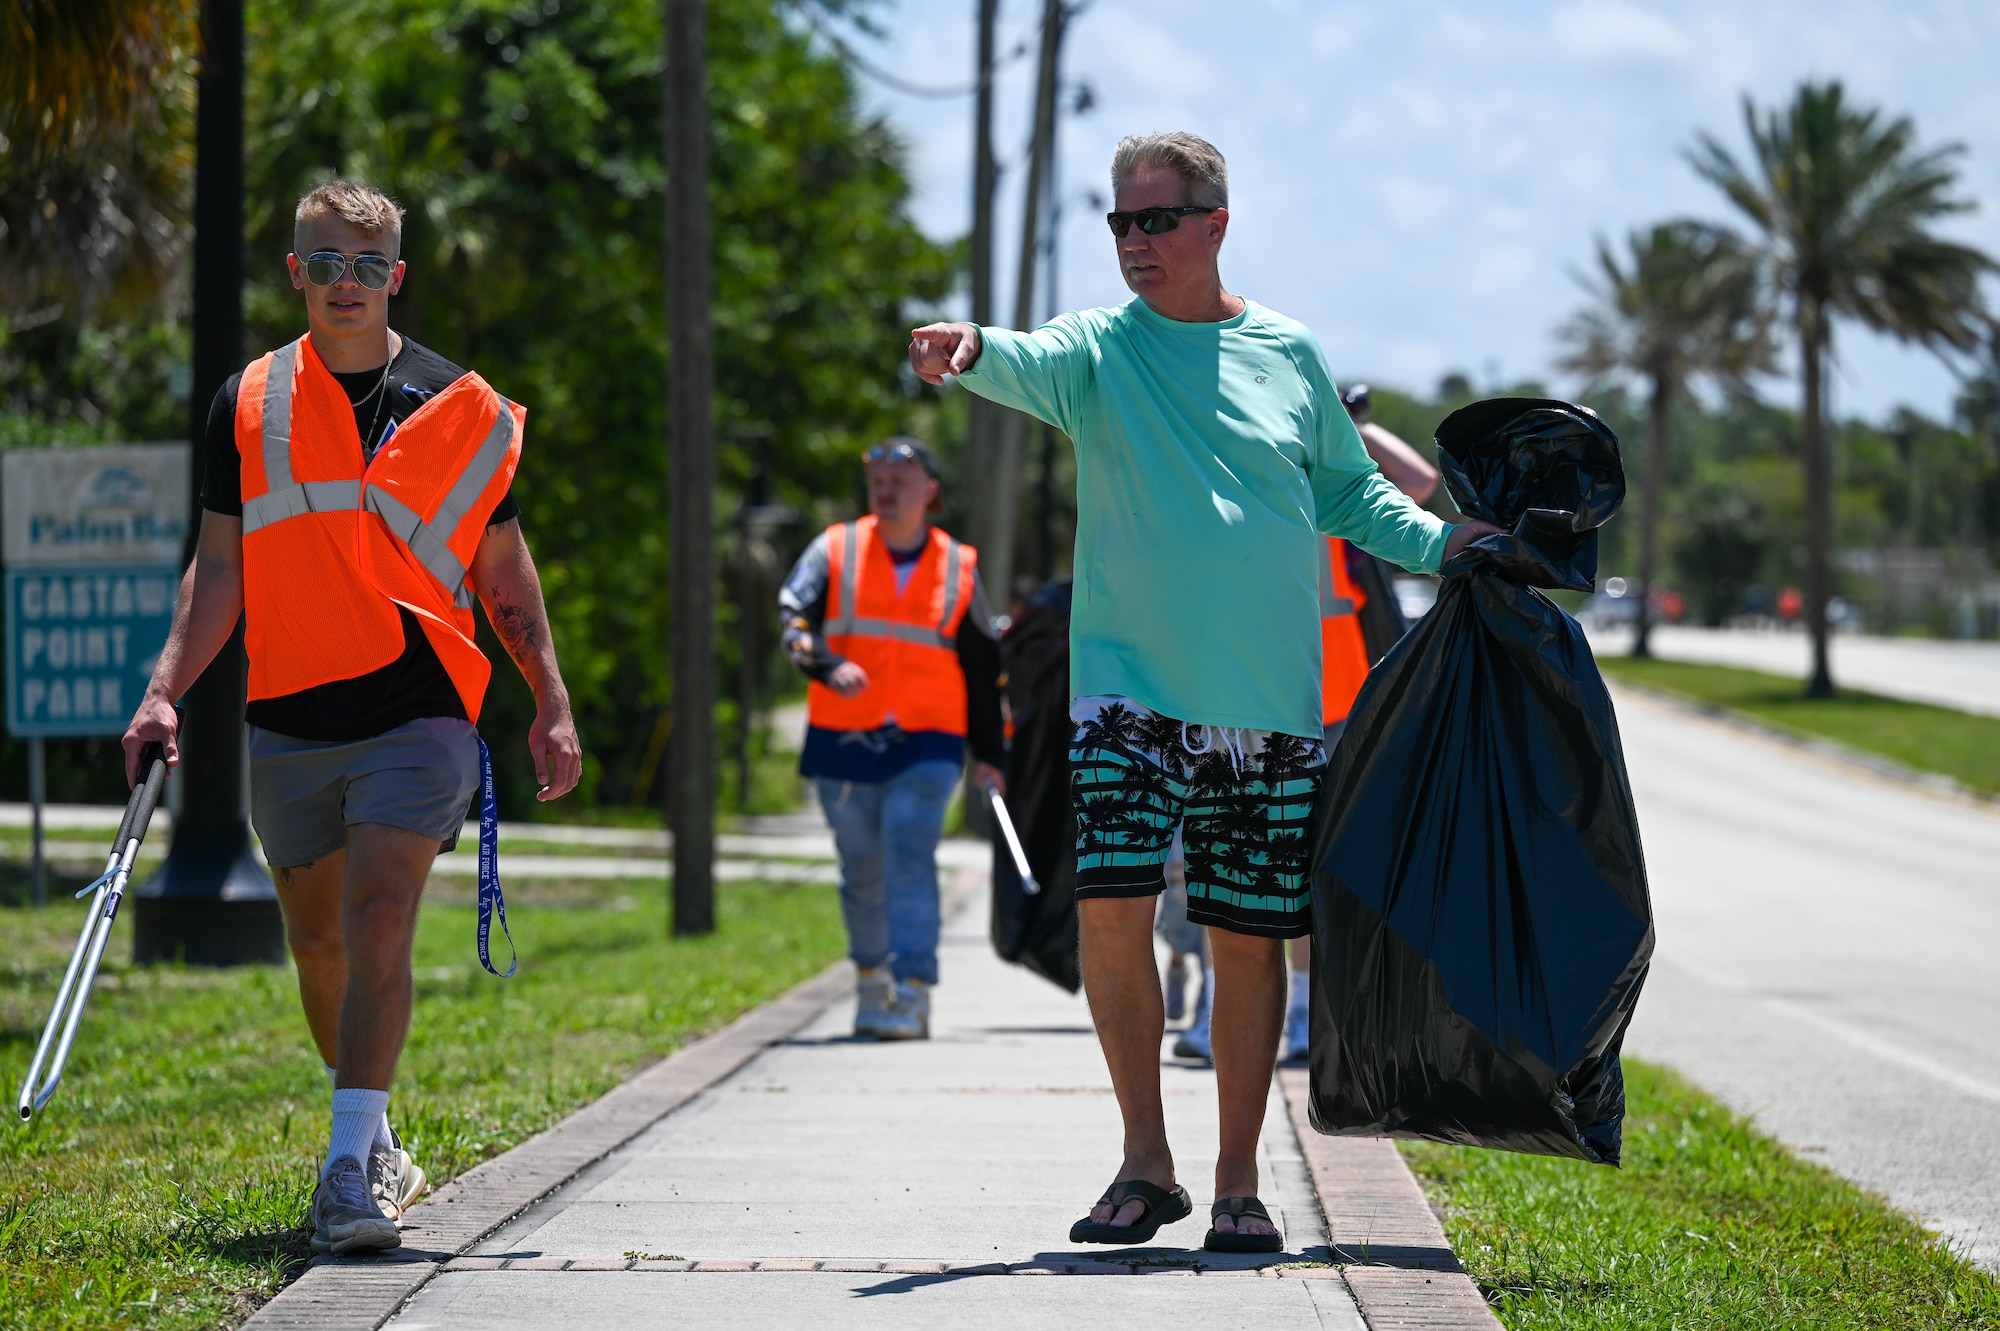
1343,652
907,643
333,543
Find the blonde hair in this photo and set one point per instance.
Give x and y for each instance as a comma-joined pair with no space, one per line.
362,207
1194,159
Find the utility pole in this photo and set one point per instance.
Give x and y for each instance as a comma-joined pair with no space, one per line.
690,472
982,418
999,557
211,903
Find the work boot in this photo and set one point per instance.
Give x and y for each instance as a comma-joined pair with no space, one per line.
1177,988
394,1180
345,1216
874,992
909,1015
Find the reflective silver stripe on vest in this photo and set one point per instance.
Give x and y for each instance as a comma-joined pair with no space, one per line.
278,417
951,559
921,634
478,473
850,546
1330,606
423,542
296,500
430,541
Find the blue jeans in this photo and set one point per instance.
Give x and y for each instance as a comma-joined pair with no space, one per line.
887,833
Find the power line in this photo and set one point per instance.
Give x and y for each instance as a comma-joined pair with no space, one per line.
896,81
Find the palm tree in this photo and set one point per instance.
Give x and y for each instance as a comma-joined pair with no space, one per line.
1686,307
94,154
1846,204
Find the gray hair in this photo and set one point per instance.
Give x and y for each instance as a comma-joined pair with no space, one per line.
1194,159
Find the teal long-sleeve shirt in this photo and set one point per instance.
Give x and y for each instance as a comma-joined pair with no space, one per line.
1208,456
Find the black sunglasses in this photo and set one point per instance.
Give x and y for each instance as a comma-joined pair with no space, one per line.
1152,221
326,267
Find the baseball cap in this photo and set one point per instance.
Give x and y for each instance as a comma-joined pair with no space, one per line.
901,447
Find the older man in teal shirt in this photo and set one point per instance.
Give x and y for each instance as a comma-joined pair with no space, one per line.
1212,449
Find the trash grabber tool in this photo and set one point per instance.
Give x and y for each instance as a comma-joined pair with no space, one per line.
1028,883
110,891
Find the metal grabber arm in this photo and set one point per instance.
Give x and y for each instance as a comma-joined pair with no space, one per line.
110,891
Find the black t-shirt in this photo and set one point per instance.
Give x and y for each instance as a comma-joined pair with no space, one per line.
415,684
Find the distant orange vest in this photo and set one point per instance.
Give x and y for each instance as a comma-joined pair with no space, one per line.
1343,653
907,643
333,543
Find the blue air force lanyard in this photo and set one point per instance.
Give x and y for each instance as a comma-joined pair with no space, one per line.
490,900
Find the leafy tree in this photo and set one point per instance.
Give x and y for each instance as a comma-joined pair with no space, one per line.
1847,207
96,119
1686,306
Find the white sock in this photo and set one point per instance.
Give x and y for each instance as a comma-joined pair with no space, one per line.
385,1140
356,1113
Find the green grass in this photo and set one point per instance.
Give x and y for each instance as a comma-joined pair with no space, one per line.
167,1184
1960,745
1709,1224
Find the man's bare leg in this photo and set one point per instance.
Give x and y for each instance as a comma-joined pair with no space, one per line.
386,869
1246,1022
310,897
1123,986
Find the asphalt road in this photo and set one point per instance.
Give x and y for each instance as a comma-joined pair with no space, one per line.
1829,959
1965,675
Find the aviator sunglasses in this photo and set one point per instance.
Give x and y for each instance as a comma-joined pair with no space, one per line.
1152,221
372,271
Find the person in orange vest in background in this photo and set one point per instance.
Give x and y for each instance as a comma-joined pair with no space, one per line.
1344,645
887,617
357,499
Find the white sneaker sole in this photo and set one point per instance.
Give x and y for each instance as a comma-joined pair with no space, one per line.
361,1236
414,1181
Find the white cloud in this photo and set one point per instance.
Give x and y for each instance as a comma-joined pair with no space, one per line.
1616,32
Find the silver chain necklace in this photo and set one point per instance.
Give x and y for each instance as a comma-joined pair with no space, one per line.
375,417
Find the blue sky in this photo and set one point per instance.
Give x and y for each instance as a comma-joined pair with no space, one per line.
1418,181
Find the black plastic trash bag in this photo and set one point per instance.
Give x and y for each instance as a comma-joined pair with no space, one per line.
1039,931
1481,923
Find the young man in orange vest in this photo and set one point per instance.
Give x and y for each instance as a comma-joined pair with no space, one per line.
887,617
1344,650
357,500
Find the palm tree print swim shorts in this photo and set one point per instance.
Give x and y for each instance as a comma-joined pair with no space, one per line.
1245,798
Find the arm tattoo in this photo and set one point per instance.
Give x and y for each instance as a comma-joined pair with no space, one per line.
517,626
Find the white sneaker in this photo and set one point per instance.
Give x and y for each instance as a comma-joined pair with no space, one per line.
874,992
394,1179
1298,1032
909,1016
1193,1042
346,1218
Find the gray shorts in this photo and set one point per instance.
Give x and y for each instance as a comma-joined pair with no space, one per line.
305,794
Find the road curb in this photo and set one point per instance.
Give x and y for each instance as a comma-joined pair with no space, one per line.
362,1294
1388,1243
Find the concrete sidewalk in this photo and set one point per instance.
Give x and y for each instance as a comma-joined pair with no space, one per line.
869,1184
778,1172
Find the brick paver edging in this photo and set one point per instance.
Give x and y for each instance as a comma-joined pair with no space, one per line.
1393,1252
362,1294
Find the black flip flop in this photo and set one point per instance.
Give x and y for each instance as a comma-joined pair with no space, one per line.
1163,1207
1237,1208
